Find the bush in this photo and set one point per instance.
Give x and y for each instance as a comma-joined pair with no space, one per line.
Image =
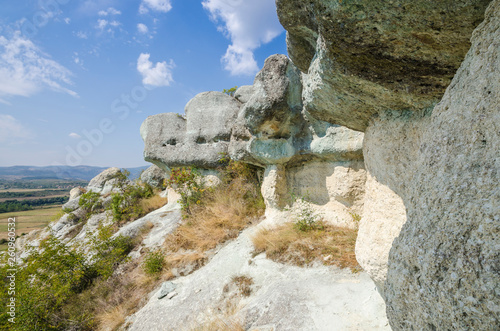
126,206
53,275
189,184
230,91
153,262
306,219
91,203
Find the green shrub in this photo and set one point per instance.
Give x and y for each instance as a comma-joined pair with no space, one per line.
307,219
91,203
56,273
189,184
230,91
125,205
153,262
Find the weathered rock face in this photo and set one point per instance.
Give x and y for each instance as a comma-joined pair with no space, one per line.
265,125
154,176
197,140
368,56
378,67
384,214
105,181
447,257
272,127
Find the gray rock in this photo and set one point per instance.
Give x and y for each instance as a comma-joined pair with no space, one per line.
276,103
76,192
364,57
243,93
199,140
273,129
167,288
71,205
105,182
158,223
154,176
447,257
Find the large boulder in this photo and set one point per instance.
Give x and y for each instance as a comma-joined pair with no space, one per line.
154,176
363,57
106,182
382,67
198,140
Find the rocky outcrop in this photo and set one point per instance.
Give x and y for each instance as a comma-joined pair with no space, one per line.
265,125
281,297
447,258
198,140
378,67
105,182
363,57
154,176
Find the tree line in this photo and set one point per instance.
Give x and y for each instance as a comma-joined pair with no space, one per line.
20,205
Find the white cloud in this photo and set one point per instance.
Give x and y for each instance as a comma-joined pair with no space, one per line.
67,20
82,35
74,135
26,70
156,5
155,75
142,28
110,11
12,130
101,24
248,24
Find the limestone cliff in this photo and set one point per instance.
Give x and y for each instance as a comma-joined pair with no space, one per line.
265,125
382,67
426,183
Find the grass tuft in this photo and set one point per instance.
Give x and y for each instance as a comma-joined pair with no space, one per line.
330,245
225,212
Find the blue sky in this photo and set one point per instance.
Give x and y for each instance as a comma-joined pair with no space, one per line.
77,78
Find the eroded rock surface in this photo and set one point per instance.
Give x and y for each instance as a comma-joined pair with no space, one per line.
447,256
363,57
379,67
282,297
198,140
154,176
264,125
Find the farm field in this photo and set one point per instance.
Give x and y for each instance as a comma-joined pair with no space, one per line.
28,220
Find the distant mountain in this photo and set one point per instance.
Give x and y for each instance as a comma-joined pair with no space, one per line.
60,172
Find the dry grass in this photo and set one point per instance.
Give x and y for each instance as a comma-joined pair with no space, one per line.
226,211
111,320
243,283
331,245
153,203
222,318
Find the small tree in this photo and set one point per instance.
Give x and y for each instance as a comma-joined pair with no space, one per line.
230,91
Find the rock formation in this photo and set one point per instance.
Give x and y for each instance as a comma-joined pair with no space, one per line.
429,195
382,67
388,69
363,57
265,125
